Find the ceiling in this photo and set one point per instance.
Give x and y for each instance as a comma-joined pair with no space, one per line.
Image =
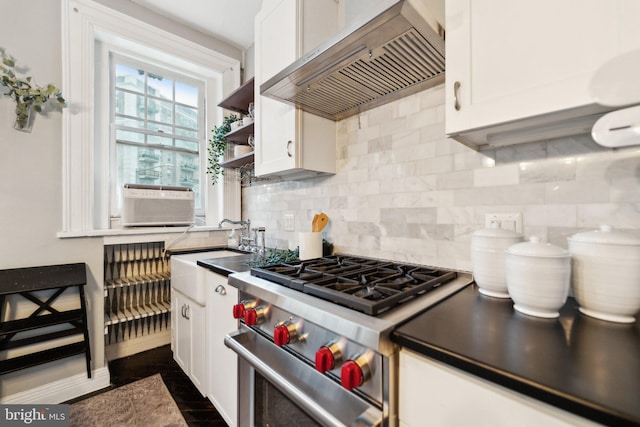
228,20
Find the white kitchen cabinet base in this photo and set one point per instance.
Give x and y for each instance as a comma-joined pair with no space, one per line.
223,362
434,393
188,339
198,331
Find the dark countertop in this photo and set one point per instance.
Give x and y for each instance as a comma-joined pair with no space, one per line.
580,364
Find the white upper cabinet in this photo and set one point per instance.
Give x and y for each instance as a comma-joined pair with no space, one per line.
520,71
289,142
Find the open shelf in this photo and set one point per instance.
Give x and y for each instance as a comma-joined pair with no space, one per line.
239,161
240,135
239,99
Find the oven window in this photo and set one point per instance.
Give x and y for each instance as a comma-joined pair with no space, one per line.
274,409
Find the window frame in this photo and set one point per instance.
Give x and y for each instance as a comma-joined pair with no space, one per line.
84,23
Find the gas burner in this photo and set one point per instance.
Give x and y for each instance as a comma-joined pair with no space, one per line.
289,275
367,285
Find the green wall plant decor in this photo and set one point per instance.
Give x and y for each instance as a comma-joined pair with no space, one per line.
217,147
28,96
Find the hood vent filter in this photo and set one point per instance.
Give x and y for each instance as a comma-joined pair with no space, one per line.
395,54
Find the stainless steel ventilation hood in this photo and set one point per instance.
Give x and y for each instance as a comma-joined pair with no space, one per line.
377,60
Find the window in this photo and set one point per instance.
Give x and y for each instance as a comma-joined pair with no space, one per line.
150,123
158,126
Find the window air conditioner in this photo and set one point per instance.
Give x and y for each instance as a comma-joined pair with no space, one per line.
149,205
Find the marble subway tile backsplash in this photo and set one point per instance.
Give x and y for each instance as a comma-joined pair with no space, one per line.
404,191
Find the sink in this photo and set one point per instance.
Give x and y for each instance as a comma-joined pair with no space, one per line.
188,278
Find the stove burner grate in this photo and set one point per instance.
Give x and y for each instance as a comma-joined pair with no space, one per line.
366,285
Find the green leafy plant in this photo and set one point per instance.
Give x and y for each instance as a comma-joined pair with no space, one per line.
27,95
275,256
217,147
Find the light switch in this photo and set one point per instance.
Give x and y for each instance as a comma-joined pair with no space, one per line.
289,222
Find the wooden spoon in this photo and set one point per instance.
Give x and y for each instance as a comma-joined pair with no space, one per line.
314,223
323,220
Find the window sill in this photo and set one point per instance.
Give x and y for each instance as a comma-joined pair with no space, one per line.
137,231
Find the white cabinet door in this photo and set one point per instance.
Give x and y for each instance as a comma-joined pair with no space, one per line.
449,397
181,332
289,141
509,60
199,364
223,365
189,335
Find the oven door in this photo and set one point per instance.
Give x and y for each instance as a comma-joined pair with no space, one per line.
276,388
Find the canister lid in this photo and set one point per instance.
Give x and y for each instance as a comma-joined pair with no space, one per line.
535,248
606,235
497,232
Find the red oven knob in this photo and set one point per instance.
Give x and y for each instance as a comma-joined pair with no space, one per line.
250,317
285,333
238,311
328,357
255,316
240,308
355,372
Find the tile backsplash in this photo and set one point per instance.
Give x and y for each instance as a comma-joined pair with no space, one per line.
404,191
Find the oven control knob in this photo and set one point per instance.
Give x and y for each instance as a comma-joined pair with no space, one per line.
328,357
254,316
355,372
238,311
240,308
285,333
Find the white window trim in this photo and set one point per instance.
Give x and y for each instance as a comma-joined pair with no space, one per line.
83,22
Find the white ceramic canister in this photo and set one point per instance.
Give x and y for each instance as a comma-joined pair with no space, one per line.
488,259
538,277
606,273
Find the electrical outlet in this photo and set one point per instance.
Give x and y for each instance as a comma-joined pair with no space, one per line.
289,222
508,221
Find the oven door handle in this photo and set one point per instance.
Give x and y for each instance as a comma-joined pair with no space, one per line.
369,418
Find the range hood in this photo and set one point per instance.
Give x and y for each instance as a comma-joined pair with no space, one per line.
377,60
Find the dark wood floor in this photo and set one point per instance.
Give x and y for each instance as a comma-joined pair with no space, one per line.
196,410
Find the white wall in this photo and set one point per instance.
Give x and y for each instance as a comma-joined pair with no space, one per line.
30,176
405,192
31,182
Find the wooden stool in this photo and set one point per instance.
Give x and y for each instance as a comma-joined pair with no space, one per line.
27,281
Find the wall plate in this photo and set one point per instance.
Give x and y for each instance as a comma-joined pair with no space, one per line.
289,222
508,221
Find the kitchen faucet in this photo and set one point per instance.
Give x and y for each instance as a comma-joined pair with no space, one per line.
243,237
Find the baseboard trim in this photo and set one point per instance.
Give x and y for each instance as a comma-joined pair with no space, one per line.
62,390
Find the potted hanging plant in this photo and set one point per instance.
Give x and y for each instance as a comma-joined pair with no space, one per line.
217,147
28,96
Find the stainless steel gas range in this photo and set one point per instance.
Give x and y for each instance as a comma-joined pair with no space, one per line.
314,338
